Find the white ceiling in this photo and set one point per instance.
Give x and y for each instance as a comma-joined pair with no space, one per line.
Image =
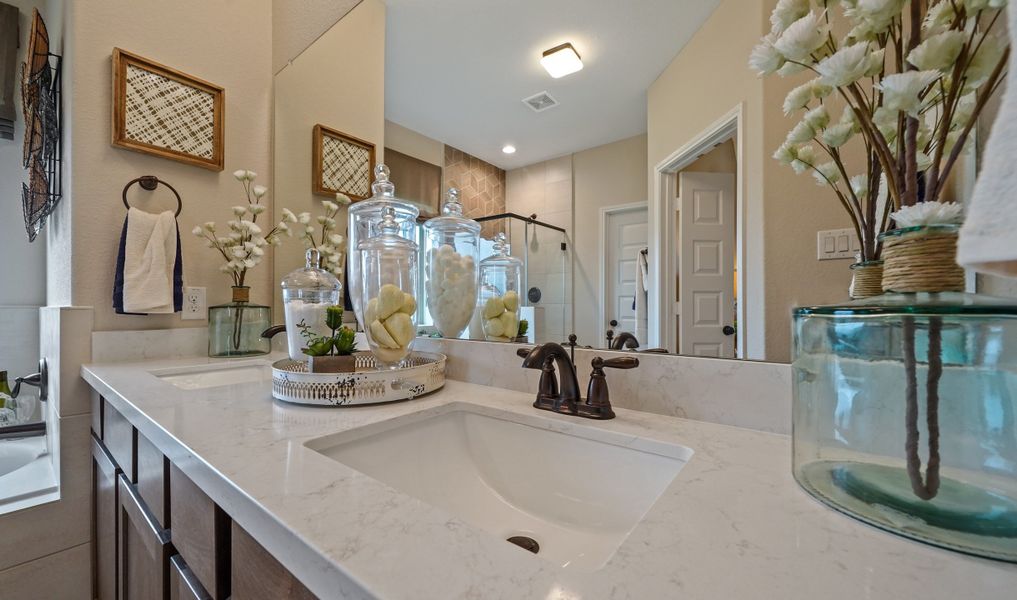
457,70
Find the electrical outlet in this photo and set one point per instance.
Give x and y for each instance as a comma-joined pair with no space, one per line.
836,244
195,307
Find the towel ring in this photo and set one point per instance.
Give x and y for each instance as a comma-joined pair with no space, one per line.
150,182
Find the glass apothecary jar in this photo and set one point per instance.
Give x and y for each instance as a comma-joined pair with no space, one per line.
451,254
388,267
501,279
364,218
307,292
235,329
905,416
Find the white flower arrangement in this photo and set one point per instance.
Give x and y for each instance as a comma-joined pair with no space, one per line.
243,245
914,75
329,244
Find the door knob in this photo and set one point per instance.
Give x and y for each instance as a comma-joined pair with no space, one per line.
728,330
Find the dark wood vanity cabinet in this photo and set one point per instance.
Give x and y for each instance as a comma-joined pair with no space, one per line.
159,536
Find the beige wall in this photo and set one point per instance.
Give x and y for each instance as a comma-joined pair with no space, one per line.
326,85
188,35
414,144
607,175
296,24
722,159
783,211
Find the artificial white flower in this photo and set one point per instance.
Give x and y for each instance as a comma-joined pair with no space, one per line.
257,251
798,98
885,120
837,135
804,159
288,216
801,133
929,213
330,206
250,263
336,239
860,186
939,15
984,61
240,174
786,153
304,218
198,231
827,174
321,219
250,175
874,63
239,210
901,90
819,89
765,59
877,14
343,199
938,52
848,117
257,209
309,230
790,68
817,118
802,37
239,252
259,191
787,12
845,66
210,226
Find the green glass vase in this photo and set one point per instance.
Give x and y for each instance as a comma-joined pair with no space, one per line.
234,329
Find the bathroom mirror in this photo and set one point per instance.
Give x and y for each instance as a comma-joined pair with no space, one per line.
639,191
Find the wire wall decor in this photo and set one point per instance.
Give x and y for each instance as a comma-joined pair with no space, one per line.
40,93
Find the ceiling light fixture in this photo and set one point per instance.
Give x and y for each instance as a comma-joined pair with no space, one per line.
508,149
561,60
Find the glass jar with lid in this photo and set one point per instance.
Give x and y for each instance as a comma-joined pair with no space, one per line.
388,271
452,251
500,284
307,292
364,218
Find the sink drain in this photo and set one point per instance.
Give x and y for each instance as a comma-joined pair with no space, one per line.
526,543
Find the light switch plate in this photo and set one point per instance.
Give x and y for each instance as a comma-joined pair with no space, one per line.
195,307
834,244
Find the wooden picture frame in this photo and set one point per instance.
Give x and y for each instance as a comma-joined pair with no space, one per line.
341,163
167,113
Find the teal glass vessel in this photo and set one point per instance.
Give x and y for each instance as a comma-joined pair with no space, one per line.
905,416
234,329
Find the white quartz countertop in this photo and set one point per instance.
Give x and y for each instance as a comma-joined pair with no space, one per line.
733,524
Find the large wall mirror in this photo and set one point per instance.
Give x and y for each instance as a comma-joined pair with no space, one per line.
639,191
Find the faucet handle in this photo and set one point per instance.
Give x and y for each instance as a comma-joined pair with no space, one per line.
624,362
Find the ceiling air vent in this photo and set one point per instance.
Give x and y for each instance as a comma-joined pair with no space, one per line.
540,102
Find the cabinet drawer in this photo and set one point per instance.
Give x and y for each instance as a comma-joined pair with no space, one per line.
183,584
104,523
120,438
257,575
144,548
153,480
201,534
97,414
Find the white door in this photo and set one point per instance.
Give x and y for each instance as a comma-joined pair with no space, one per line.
706,264
626,235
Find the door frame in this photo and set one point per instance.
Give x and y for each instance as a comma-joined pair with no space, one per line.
661,218
605,212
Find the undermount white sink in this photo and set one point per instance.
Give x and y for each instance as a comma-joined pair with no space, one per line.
578,494
208,376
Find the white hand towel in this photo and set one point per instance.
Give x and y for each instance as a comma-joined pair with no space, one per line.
986,241
149,254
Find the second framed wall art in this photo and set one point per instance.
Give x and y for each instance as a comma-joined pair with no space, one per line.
341,163
161,111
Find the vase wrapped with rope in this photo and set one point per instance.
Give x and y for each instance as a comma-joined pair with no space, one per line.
905,400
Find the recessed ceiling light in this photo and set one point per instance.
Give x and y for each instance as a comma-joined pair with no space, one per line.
561,60
508,149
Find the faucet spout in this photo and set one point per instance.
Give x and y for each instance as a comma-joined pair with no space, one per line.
569,383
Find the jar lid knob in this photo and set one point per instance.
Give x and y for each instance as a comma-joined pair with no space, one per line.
452,205
313,258
382,187
501,244
388,224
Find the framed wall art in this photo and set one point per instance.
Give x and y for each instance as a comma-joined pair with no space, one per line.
341,163
161,111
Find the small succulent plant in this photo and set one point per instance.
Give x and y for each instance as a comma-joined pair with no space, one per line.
342,342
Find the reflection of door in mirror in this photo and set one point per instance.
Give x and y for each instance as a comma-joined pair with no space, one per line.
625,235
706,297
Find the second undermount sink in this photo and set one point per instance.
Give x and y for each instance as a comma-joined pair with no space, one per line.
215,375
576,494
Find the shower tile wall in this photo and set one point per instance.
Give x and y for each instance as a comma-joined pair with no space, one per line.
481,186
545,189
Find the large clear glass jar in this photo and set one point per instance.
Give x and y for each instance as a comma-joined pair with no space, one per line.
388,267
364,217
501,281
905,415
451,253
307,292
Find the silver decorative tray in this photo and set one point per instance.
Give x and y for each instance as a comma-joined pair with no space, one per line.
420,373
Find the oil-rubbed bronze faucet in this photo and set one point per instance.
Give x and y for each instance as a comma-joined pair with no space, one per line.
598,403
